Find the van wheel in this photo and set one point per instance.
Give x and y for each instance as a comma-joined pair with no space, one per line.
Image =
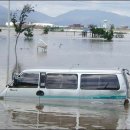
40,93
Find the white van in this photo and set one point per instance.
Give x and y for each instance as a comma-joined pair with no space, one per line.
69,85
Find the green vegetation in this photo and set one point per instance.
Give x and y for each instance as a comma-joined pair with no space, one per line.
29,33
102,33
97,32
108,35
46,30
19,24
52,29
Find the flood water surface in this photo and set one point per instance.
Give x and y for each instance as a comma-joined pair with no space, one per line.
64,51
31,116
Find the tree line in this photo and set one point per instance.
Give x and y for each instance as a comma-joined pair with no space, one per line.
102,32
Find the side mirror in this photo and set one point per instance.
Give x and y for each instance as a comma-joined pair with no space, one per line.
15,78
15,75
42,79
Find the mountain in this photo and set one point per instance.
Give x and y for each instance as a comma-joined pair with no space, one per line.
3,15
36,17
91,17
33,16
84,17
39,17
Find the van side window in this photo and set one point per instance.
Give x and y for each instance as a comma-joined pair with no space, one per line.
61,81
99,82
27,80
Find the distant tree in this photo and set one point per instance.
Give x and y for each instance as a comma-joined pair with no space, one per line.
108,35
100,32
92,29
90,26
0,30
29,33
46,30
20,22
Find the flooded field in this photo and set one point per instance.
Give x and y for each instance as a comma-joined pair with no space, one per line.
65,50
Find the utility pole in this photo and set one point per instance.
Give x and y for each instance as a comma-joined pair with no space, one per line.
8,47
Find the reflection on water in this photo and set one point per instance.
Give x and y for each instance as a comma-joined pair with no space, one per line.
27,115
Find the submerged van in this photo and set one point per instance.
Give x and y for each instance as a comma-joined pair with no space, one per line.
71,86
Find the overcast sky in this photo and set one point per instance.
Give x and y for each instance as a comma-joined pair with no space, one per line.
54,8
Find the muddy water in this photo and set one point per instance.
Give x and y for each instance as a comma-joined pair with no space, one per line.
64,51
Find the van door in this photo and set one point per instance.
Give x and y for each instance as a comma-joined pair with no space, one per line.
42,82
61,87
26,85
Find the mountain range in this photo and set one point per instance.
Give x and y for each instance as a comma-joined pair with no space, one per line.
84,17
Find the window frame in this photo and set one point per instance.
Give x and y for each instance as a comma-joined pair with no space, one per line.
26,85
76,86
117,86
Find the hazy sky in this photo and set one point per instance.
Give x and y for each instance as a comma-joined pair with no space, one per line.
54,8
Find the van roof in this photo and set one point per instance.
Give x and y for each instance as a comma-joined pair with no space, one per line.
74,71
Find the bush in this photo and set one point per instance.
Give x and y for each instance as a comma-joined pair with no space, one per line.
29,33
46,30
102,33
108,35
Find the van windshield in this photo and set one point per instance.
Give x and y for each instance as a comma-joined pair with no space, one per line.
27,80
